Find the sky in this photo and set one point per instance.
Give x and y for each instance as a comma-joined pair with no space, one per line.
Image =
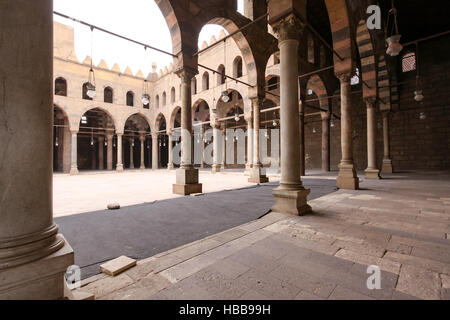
140,20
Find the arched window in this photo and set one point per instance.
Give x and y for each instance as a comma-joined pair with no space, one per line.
310,42
85,89
272,84
164,99
172,95
409,62
157,101
61,87
130,98
221,75
108,95
205,81
194,85
237,67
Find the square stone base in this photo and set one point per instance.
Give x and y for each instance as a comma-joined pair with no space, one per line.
74,171
42,279
119,168
347,178
187,189
257,176
216,168
373,174
387,166
291,201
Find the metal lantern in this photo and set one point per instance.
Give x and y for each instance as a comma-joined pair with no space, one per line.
394,46
225,96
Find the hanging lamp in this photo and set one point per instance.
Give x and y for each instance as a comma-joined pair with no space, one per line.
145,95
91,93
418,94
225,94
393,41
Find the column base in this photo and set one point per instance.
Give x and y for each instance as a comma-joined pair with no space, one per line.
74,171
248,169
216,168
373,174
291,201
347,178
187,182
170,167
257,176
42,279
387,166
119,168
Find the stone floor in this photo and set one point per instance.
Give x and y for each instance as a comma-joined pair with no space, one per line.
400,224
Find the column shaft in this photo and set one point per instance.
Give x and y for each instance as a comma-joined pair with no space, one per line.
372,171
109,152
155,152
216,146
387,161
101,142
74,154
325,141
142,140
170,164
119,152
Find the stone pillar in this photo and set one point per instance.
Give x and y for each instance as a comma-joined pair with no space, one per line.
109,152
170,164
249,165
74,154
101,142
33,255
142,140
187,181
325,141
119,166
93,158
257,175
216,145
155,152
202,137
372,171
302,134
67,150
387,161
291,196
347,178
131,153
224,148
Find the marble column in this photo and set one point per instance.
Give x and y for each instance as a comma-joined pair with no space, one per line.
202,141
67,150
224,148
33,255
155,152
187,180
302,134
170,164
387,161
142,140
74,154
119,166
249,165
101,142
372,172
216,145
291,196
131,153
109,152
257,174
347,178
325,141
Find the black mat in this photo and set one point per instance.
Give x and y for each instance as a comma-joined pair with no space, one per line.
142,231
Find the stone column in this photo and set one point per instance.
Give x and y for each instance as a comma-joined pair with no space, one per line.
257,174
33,255
387,161
155,152
249,165
202,137
74,154
224,148
131,153
170,164
67,149
187,181
142,140
372,171
216,145
302,134
101,142
109,152
325,141
291,196
347,178
119,152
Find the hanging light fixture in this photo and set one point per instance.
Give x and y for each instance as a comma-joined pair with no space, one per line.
274,123
145,95
90,92
418,94
236,116
56,142
92,137
332,124
225,94
393,41
106,142
422,116
314,130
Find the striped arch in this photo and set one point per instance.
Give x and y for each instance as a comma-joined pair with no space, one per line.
384,92
340,29
316,84
159,119
368,66
173,117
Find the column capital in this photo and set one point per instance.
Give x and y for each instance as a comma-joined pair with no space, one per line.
186,74
155,136
325,115
142,138
288,28
344,77
370,102
101,138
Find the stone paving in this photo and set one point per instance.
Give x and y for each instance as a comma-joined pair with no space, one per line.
400,224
